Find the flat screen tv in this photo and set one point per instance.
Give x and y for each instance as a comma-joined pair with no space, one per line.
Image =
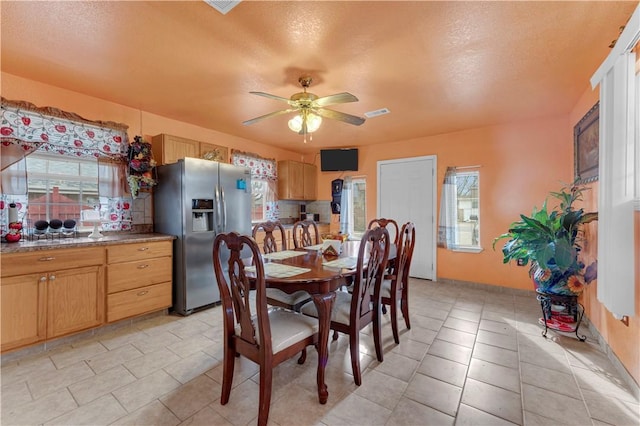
338,160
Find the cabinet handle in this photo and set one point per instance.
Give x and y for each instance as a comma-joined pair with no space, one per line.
143,249
143,266
142,293
43,279
52,277
46,259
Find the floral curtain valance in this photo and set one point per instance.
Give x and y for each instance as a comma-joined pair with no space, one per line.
25,127
261,168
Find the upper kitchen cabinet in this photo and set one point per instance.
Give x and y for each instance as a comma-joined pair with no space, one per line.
169,149
296,180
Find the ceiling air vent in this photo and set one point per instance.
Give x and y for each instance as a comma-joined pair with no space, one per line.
381,111
222,6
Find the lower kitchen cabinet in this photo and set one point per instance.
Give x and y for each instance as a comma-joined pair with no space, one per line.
62,296
139,279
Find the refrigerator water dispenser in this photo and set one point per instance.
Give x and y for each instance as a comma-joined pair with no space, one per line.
202,215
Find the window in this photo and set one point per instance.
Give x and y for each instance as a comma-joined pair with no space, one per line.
459,227
468,209
359,202
60,186
263,196
353,213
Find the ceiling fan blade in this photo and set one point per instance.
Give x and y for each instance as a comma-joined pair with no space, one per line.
271,114
338,98
268,95
337,115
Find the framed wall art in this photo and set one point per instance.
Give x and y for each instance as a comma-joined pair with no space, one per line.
586,140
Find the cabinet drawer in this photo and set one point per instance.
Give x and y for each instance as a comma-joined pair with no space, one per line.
138,251
138,301
50,260
130,275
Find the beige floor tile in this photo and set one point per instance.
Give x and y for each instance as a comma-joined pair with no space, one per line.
39,411
497,327
15,394
498,316
243,370
145,390
101,384
151,362
191,345
21,370
293,395
242,406
450,351
469,416
206,417
427,322
107,360
604,383
52,381
612,410
461,325
398,366
434,393
356,410
73,355
412,413
382,389
493,400
193,328
493,374
190,398
443,369
537,419
191,367
153,414
504,309
496,339
546,378
120,337
156,341
411,349
457,337
466,311
539,351
102,411
416,333
496,355
573,410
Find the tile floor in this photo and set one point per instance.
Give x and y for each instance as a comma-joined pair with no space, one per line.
472,356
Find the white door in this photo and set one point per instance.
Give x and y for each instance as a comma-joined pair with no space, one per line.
407,193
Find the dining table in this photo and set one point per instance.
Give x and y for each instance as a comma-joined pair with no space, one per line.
320,275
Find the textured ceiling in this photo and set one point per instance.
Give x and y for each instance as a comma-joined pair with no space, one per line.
437,66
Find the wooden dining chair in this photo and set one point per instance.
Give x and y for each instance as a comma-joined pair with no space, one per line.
305,233
354,311
390,224
275,297
395,286
267,336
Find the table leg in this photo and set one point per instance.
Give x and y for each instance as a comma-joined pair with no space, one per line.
323,303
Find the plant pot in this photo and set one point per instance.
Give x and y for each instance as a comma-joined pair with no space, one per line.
554,282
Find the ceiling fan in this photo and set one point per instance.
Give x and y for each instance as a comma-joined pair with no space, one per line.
310,109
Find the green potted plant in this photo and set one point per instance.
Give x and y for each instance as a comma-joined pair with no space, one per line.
549,240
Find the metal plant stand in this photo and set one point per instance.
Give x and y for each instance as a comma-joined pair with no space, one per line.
561,313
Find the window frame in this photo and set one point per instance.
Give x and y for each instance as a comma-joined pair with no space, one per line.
465,247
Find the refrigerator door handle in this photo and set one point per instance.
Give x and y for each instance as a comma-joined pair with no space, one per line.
216,210
224,209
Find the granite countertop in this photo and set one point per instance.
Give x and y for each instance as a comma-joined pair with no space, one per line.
81,241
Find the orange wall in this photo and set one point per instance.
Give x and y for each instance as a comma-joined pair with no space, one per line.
520,163
624,340
139,122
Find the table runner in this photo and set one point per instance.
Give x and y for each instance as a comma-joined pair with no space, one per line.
285,254
279,270
343,262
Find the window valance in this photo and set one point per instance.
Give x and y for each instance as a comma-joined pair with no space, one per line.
25,127
261,168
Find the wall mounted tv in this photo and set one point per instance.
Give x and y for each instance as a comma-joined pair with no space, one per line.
338,160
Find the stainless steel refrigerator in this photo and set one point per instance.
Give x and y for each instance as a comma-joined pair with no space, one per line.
195,200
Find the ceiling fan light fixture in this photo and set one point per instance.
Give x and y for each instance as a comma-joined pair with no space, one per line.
313,122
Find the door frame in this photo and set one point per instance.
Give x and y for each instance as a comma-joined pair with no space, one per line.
434,201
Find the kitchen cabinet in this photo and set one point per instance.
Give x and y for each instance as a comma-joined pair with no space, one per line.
139,279
169,149
50,293
296,180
